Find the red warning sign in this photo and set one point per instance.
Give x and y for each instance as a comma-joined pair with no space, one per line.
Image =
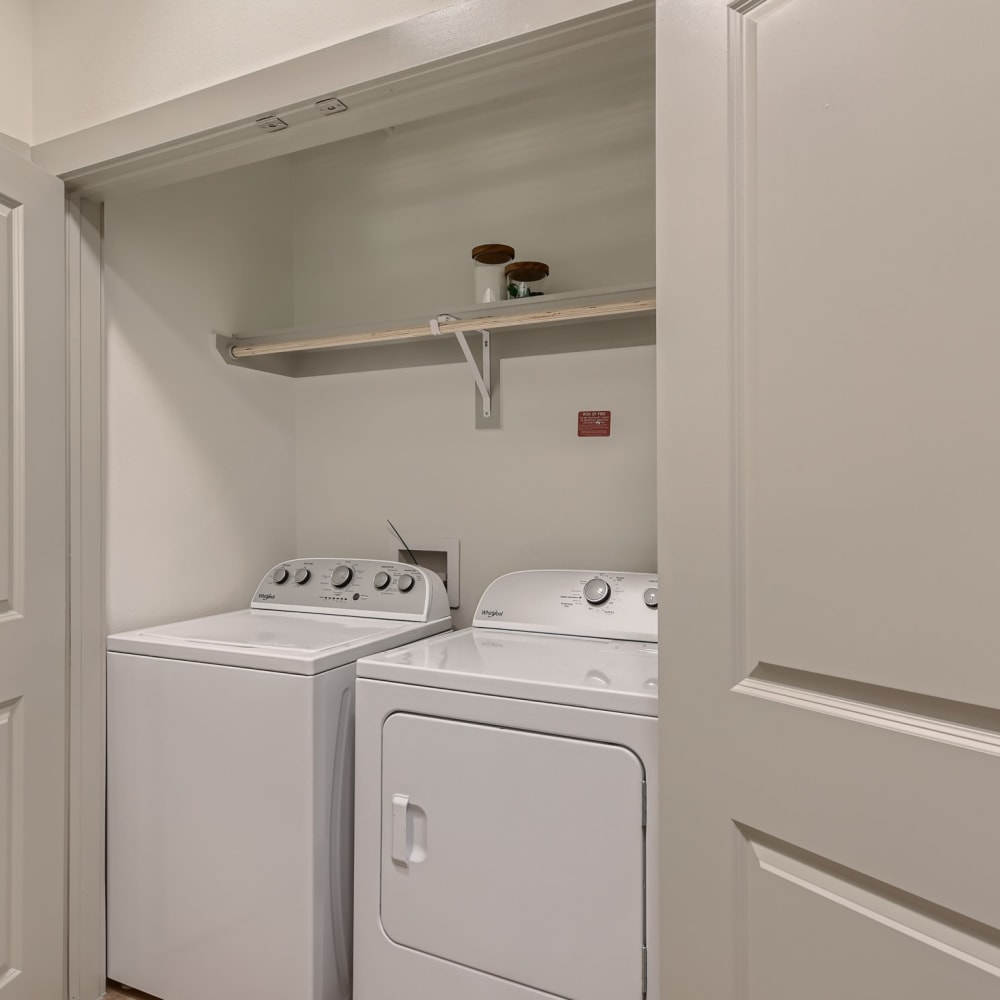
593,424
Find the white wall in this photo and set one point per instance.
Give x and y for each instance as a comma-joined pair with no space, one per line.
383,227
16,70
216,472
96,60
200,489
384,224
403,445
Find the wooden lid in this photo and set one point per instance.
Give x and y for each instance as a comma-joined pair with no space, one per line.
526,270
492,253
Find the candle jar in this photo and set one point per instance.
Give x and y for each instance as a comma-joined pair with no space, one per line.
525,278
489,280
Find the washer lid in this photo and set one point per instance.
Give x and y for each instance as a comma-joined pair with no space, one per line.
609,674
283,641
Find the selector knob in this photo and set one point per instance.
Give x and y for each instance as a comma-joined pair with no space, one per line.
302,575
381,580
342,576
280,575
596,591
650,597
406,583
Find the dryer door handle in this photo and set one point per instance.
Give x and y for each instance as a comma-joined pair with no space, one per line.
400,847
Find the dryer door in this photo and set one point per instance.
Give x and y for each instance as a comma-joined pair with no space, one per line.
515,853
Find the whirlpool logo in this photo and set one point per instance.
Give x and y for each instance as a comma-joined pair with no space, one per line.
491,613
265,597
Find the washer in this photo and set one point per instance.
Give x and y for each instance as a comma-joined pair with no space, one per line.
230,782
506,785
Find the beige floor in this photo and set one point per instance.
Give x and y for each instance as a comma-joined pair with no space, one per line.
116,992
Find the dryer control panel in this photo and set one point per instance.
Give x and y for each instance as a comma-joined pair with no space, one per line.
596,604
362,588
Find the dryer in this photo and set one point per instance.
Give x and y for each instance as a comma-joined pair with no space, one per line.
506,822
230,782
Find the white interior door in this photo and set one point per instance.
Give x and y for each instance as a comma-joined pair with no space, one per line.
514,853
829,345
32,583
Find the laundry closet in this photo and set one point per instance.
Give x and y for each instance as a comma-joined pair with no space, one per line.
216,470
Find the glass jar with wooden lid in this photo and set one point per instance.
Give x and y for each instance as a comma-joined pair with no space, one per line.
525,278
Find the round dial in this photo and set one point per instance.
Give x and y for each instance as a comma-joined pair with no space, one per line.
280,575
302,575
596,591
650,597
406,583
342,576
381,580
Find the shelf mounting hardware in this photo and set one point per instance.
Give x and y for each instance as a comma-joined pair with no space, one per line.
482,377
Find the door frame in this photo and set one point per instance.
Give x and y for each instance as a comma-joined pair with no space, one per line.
87,958
202,133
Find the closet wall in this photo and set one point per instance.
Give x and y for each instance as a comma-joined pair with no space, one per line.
216,472
383,227
402,445
201,480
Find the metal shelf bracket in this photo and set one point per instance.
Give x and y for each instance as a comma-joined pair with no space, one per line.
482,377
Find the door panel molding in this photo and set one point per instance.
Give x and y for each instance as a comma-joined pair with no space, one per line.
11,819
972,727
12,417
742,305
945,930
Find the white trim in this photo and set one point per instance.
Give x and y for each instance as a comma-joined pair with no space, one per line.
449,58
85,399
17,146
958,734
13,607
932,925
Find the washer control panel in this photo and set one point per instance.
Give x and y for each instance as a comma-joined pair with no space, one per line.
365,588
596,604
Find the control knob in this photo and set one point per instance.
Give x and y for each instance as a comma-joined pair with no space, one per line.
342,576
406,583
597,591
302,575
381,580
650,597
280,575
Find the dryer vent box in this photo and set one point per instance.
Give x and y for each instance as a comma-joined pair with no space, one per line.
439,555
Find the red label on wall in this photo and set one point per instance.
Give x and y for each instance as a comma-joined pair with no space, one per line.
593,424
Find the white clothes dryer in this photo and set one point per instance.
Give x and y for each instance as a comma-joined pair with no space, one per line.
506,822
230,782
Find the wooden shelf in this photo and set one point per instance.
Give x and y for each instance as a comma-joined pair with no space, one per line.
522,314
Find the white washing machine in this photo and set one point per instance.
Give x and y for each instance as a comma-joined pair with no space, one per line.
230,782
506,799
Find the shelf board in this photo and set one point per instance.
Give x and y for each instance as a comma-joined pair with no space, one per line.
523,314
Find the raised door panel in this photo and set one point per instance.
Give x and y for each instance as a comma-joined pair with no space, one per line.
821,931
513,853
11,480
10,813
868,151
